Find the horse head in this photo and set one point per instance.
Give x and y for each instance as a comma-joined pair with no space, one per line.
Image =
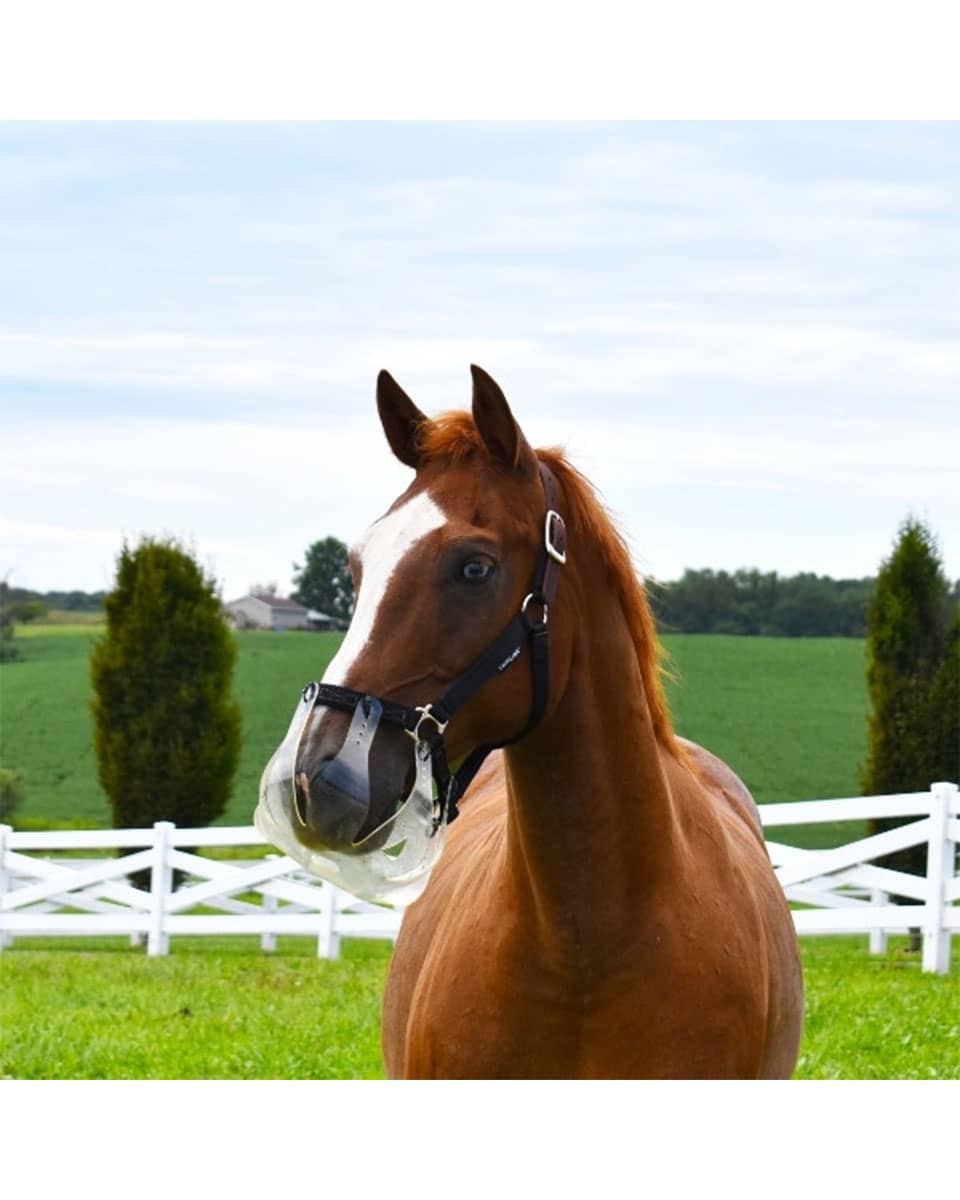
438,578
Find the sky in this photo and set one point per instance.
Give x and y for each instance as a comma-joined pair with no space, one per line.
746,334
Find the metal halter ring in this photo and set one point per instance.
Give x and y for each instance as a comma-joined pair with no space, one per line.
533,598
426,715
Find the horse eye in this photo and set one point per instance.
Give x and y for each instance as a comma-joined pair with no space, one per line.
477,570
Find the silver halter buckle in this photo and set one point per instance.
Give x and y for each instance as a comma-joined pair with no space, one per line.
555,553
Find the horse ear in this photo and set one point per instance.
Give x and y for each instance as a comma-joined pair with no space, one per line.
400,418
497,426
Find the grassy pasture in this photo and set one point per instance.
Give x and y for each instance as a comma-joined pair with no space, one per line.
221,1009
46,728
787,714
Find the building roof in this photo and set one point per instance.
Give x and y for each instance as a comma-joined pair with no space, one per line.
278,602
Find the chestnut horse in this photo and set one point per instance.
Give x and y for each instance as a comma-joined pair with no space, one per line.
605,906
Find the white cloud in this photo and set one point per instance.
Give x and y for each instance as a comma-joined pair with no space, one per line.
756,344
23,172
251,497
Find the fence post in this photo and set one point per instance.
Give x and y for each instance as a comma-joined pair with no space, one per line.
328,940
940,855
6,939
137,938
161,885
268,941
878,937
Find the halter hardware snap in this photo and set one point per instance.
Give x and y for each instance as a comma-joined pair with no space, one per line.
426,714
535,598
553,550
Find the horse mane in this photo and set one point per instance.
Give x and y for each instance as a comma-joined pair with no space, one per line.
454,436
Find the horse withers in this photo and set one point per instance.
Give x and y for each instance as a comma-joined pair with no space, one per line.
605,906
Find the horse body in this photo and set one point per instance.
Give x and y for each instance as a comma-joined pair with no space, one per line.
603,908
605,905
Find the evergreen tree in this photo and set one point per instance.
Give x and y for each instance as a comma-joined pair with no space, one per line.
167,732
943,724
324,581
907,635
8,651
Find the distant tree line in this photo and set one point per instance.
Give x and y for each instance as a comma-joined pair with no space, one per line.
763,603
747,601
63,601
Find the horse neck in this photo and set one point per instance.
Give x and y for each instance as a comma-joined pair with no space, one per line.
591,816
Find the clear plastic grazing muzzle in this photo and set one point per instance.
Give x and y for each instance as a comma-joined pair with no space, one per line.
392,864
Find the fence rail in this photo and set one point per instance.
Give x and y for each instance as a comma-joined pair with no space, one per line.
47,888
850,894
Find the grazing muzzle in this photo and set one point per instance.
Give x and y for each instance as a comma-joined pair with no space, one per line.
392,863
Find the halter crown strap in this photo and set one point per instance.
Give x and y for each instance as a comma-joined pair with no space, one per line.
504,652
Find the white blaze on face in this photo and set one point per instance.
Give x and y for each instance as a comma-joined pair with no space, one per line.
381,551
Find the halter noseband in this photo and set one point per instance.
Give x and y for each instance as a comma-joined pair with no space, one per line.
497,658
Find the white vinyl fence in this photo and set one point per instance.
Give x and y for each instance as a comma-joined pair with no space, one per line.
847,893
43,892
48,886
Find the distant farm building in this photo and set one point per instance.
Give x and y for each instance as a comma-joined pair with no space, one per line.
268,612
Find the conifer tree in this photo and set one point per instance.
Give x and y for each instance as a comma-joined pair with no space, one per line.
909,678
167,732
943,728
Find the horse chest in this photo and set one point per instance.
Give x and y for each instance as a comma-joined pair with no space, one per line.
500,1015
673,1002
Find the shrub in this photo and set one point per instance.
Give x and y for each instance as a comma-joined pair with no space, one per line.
13,792
167,732
26,611
8,651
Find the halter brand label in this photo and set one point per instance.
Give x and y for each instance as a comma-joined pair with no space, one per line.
511,657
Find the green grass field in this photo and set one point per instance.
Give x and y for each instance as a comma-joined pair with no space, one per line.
221,1009
46,729
787,714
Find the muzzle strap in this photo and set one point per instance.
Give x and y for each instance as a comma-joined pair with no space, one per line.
329,695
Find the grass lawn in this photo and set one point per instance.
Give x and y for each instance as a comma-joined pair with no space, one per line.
787,714
213,1009
222,1009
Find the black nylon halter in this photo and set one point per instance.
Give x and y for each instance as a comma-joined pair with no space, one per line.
495,660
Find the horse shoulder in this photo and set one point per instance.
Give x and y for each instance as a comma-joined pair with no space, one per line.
770,931
721,781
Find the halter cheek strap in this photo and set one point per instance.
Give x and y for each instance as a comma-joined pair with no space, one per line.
528,627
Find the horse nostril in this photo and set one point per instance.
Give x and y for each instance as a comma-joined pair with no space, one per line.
301,795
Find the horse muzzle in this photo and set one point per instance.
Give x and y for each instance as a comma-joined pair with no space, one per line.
332,778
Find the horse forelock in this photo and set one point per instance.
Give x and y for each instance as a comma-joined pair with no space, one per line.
452,436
